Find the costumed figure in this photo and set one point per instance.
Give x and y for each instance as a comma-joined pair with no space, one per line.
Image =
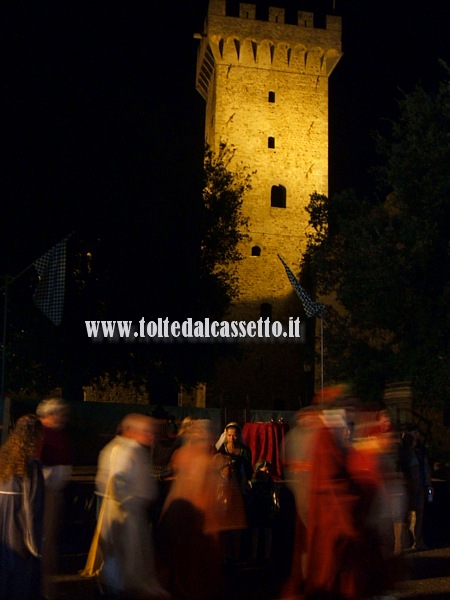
192,519
122,551
263,509
21,510
395,506
417,470
344,557
299,446
56,457
236,466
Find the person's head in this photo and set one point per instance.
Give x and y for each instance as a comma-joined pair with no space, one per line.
330,394
53,413
385,423
29,429
414,431
20,447
139,428
233,434
200,432
308,417
185,426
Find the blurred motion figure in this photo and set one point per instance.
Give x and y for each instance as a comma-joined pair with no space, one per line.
21,510
125,552
56,456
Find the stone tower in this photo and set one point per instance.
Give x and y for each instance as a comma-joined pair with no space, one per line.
265,83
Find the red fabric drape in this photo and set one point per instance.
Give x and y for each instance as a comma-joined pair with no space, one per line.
266,441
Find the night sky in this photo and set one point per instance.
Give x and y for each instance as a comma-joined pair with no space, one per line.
102,128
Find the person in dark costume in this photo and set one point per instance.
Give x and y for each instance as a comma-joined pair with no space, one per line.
21,510
55,455
264,506
239,468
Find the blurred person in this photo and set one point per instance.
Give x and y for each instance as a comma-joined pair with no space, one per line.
263,508
56,458
124,556
22,511
344,557
440,470
389,456
183,431
378,449
182,435
299,444
417,470
192,519
237,466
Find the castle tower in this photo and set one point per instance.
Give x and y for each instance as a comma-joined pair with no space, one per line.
265,83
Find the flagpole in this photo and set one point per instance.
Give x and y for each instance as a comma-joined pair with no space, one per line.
312,309
321,358
2,391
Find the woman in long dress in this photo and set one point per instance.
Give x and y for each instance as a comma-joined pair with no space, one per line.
21,510
237,471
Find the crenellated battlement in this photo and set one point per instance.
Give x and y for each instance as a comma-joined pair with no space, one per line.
271,44
275,15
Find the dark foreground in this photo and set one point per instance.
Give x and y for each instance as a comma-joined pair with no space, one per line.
426,576
422,575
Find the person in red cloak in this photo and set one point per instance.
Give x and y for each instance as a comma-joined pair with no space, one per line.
343,552
299,445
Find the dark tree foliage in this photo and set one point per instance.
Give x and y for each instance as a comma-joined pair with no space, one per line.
184,270
223,227
386,260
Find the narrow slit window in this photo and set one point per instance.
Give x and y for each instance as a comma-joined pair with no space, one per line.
271,96
271,142
265,310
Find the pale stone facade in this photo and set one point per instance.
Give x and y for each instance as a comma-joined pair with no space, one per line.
265,84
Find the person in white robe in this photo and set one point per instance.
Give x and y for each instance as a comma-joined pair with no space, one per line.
127,487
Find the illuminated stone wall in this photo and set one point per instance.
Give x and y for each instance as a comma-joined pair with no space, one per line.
261,80
265,83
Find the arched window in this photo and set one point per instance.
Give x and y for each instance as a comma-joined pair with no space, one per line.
271,142
256,251
271,96
278,196
265,310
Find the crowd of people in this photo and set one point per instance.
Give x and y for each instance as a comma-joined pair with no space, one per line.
358,488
